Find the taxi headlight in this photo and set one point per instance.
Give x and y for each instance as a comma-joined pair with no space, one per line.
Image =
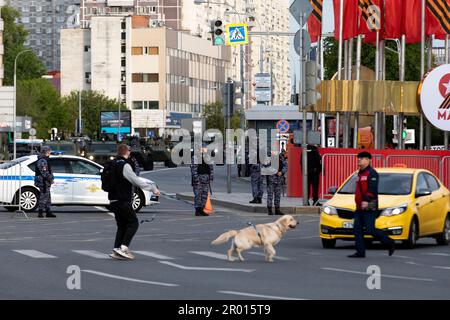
394,211
91,157
329,210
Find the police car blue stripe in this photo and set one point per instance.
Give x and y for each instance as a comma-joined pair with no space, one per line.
28,178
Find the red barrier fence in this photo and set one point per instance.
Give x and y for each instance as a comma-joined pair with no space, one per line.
338,164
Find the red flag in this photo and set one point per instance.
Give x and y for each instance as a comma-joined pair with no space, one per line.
438,18
315,20
393,19
350,27
371,19
412,20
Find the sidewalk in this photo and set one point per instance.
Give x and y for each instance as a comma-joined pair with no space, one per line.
240,201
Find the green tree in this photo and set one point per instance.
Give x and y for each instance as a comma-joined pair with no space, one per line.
39,99
412,69
92,103
215,118
14,36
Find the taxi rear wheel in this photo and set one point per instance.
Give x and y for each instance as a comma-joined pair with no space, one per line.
413,235
329,243
444,238
138,200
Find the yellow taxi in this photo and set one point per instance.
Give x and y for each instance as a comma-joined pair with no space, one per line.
413,204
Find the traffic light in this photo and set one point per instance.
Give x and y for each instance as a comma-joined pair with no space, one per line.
218,33
231,92
312,82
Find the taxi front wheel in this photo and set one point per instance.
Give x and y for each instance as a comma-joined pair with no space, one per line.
328,243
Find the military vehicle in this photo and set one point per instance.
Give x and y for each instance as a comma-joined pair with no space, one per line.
101,152
63,148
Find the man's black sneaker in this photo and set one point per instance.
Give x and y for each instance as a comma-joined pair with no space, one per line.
356,255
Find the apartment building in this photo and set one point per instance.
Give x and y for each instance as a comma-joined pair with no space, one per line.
44,20
161,12
162,75
267,16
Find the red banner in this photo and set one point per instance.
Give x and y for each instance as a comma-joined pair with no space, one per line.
438,18
393,19
350,25
315,20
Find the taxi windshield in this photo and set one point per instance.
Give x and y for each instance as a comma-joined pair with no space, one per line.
395,184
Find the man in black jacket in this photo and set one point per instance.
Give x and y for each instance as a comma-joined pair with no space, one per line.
121,199
314,170
366,198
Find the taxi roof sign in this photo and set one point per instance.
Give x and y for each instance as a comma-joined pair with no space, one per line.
236,34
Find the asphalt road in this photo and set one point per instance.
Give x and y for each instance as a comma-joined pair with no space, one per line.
174,259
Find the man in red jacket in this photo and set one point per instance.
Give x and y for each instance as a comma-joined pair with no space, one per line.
366,198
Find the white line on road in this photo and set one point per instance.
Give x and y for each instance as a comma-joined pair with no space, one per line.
263,254
105,210
204,268
258,295
154,255
107,275
35,254
438,254
383,275
424,265
92,253
210,254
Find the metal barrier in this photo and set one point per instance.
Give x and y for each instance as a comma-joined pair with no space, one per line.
338,167
445,171
11,187
430,163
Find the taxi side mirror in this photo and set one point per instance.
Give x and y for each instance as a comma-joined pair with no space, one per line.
332,190
423,192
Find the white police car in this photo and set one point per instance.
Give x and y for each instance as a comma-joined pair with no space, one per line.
77,182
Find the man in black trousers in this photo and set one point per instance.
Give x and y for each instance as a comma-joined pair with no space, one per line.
366,198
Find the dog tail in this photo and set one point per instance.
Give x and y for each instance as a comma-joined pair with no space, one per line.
224,237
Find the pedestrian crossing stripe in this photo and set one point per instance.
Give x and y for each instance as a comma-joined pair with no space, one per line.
236,34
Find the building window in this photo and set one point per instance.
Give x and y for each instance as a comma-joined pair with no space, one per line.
123,62
136,51
87,77
123,36
87,48
145,77
146,105
137,105
124,49
151,51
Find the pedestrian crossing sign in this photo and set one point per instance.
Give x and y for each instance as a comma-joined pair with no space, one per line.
236,34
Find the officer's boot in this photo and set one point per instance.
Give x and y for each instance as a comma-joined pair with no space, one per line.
49,214
269,211
258,200
198,211
40,215
278,212
255,200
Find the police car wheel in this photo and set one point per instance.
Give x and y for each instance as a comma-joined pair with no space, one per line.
29,199
138,201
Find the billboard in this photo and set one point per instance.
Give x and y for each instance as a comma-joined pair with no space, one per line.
109,122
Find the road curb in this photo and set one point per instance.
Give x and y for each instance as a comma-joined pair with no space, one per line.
297,210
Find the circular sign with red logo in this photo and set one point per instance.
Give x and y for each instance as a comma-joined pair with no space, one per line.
435,97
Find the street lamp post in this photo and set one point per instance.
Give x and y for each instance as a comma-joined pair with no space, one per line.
15,102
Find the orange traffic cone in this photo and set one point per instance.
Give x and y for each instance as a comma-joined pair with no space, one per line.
208,206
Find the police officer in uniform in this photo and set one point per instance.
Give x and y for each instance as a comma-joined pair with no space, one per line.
274,184
256,180
202,175
43,180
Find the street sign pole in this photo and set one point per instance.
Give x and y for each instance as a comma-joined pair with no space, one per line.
303,110
230,100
